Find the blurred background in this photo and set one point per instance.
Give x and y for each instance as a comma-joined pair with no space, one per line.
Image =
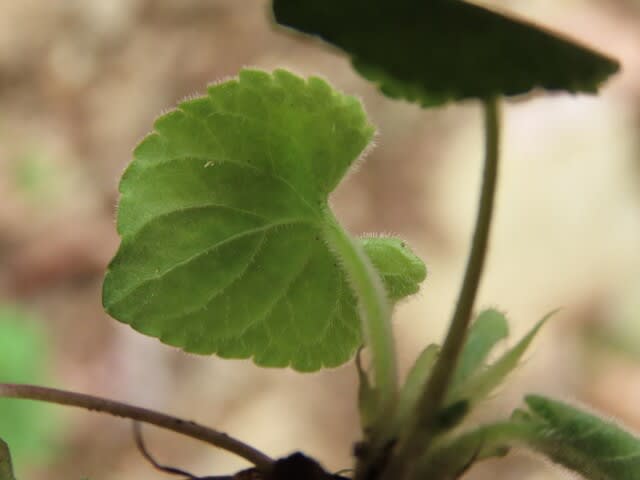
80,84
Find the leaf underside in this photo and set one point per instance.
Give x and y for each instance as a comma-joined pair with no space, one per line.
221,217
433,51
595,448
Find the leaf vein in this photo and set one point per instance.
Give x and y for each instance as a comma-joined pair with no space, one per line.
211,248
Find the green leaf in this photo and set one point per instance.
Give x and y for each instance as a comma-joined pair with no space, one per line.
222,217
6,468
432,51
450,457
414,385
402,272
595,448
27,426
483,382
489,328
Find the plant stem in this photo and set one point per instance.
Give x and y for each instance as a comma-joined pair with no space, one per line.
435,391
375,312
444,369
184,427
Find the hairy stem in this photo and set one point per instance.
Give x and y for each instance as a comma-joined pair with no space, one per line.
443,371
375,312
435,390
97,404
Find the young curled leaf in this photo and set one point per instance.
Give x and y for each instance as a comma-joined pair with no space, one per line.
595,448
402,272
433,51
223,214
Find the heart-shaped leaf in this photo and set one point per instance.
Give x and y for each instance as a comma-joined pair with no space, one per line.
222,217
432,51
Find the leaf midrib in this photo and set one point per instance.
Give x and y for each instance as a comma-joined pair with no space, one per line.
238,278
209,249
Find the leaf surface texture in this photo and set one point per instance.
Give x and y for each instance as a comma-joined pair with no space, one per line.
221,217
585,443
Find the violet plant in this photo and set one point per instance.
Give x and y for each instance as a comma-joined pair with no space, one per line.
229,246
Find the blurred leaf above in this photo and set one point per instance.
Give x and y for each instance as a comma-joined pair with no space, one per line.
431,51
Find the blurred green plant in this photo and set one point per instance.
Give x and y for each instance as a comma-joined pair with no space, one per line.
29,428
616,329
36,177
